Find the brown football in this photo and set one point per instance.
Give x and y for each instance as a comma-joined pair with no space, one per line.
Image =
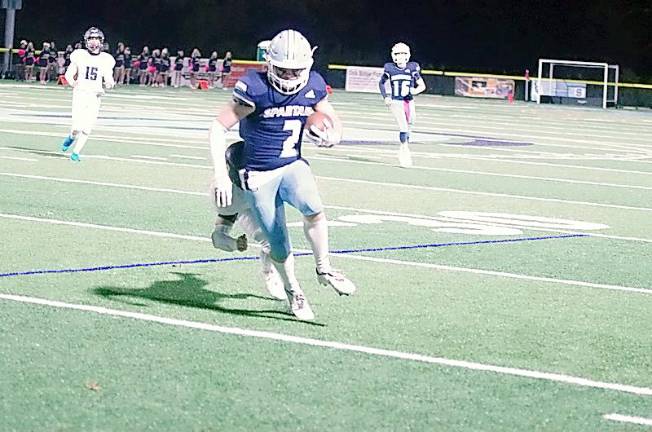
317,118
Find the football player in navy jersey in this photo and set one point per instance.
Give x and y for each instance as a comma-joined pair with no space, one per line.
405,82
272,108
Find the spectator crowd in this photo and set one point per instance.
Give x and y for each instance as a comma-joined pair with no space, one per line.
154,68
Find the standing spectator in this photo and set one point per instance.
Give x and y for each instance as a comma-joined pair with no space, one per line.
226,68
143,60
30,59
211,68
194,67
119,69
164,68
43,63
66,58
128,65
153,67
53,63
178,68
20,63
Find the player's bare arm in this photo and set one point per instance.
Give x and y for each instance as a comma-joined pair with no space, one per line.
419,88
226,119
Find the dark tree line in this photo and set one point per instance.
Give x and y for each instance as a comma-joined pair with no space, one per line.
489,35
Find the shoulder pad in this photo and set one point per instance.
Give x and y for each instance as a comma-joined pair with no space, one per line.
77,54
248,88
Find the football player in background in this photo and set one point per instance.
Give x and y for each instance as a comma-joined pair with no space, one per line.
89,69
405,82
272,108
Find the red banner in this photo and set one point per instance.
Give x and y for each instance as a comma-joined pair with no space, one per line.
239,68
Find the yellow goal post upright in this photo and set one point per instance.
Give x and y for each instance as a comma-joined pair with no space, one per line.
552,84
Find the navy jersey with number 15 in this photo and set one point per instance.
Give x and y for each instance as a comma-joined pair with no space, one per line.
272,133
401,79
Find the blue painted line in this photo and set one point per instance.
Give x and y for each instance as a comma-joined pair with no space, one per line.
253,258
436,245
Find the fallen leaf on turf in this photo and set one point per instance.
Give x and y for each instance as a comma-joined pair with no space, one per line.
93,386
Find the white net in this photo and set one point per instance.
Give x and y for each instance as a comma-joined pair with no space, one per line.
577,83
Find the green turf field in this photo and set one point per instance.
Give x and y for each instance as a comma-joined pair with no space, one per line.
504,283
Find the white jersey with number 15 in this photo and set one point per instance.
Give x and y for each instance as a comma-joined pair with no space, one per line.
92,69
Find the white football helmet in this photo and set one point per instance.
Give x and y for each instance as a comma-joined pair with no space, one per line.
289,59
94,39
401,54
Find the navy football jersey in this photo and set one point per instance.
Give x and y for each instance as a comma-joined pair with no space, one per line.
401,79
272,133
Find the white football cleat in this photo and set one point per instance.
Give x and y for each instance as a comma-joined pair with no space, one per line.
404,156
274,284
299,305
337,281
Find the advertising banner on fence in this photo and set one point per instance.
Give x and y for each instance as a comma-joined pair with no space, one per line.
239,69
484,87
363,79
558,88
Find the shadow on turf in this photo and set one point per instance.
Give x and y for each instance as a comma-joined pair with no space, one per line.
52,153
189,291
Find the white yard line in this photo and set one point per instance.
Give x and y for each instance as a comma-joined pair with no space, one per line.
491,158
647,291
105,227
150,157
494,194
629,419
554,165
101,137
501,274
189,157
459,171
336,207
109,184
502,133
369,182
19,158
340,346
348,149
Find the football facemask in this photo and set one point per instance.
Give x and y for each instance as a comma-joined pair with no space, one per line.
94,39
289,59
401,54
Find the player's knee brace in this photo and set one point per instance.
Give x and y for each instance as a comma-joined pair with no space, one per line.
404,137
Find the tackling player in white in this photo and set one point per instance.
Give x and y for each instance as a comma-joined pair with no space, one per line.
89,70
405,82
239,212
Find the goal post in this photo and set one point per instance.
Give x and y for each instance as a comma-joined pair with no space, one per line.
580,81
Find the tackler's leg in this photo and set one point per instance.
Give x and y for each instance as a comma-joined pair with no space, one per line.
271,277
